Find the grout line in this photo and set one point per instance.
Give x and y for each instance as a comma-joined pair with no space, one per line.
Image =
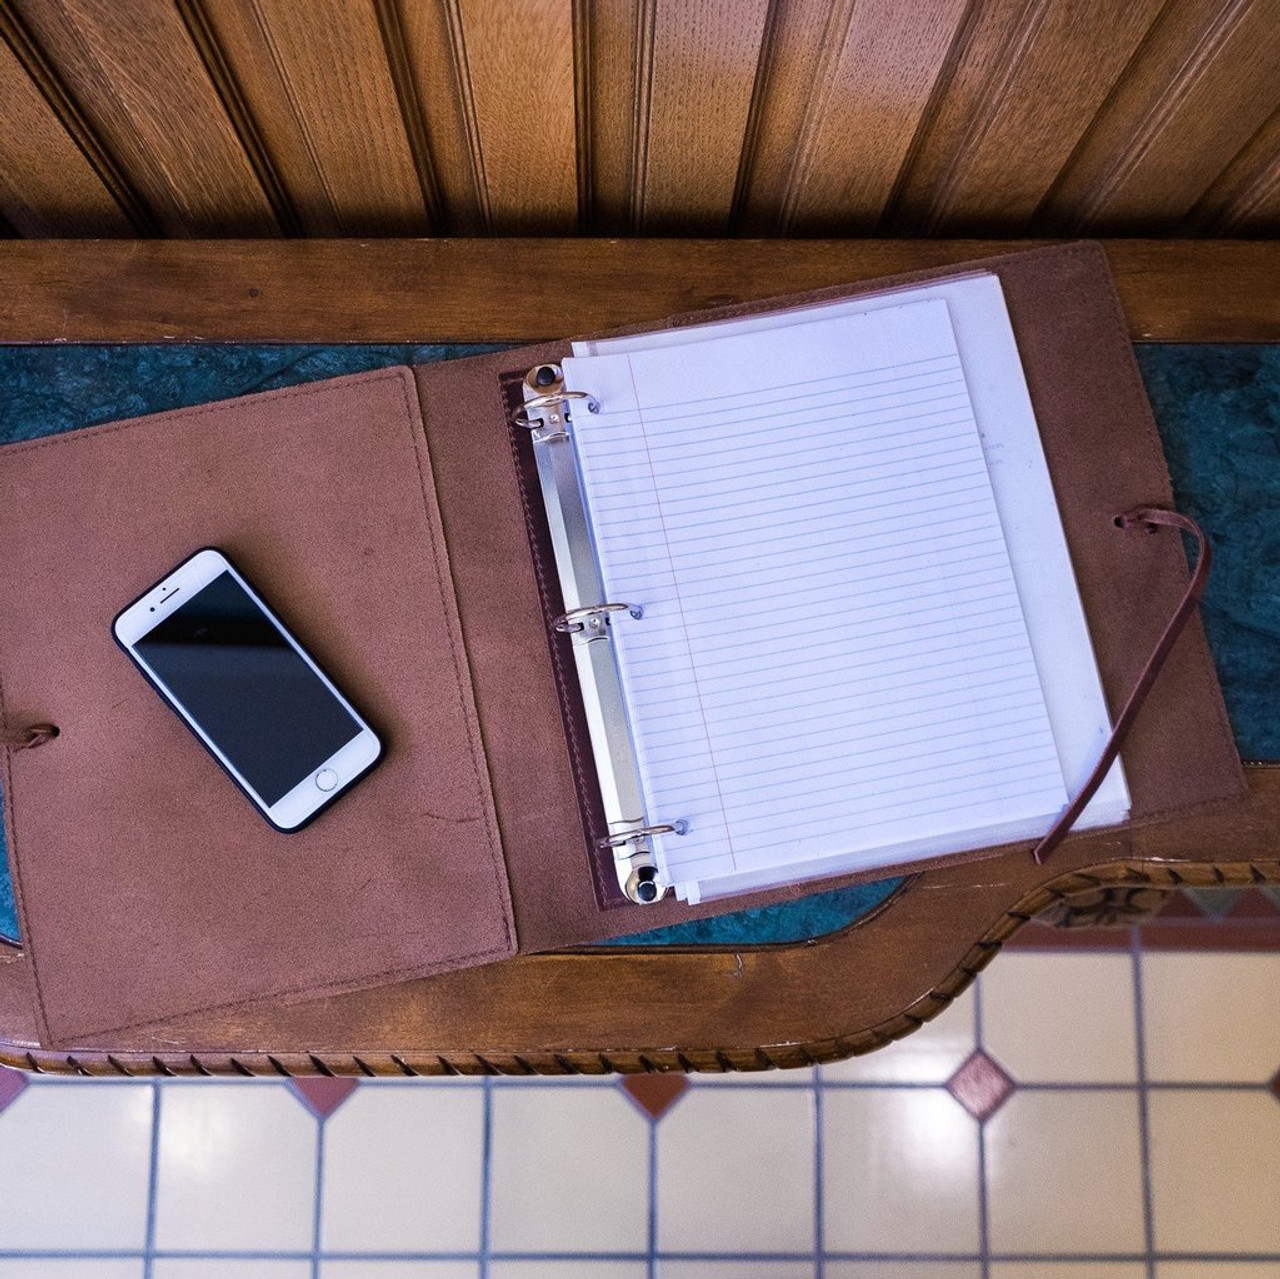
1144,1117
984,1216
652,1226
153,1168
486,1179
746,1084
819,1185
318,1200
134,1254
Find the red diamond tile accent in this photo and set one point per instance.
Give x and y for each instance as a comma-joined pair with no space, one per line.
1178,905
980,1085
12,1082
322,1096
655,1094
1254,905
1275,1084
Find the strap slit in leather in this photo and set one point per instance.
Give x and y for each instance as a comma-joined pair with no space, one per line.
1151,519
24,739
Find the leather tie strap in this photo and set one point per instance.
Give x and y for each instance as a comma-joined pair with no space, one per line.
1150,519
24,739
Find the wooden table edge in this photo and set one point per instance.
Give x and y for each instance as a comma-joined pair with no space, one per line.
489,290
1162,856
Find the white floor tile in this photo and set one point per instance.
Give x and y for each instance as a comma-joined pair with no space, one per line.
711,1269
1212,1018
736,1172
569,1171
228,1268
929,1055
69,1268
903,1270
1064,1173
1216,1270
568,1269
900,1171
1069,1270
1215,1171
237,1169
78,1161
1061,1018
366,1269
402,1171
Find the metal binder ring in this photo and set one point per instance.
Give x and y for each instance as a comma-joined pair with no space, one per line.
659,828
551,401
576,619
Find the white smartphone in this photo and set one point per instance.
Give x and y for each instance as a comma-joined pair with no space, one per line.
276,723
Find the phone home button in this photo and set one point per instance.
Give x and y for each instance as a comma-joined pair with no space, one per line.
326,779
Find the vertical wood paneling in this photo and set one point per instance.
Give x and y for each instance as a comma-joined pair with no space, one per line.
47,184
878,67
624,117
134,72
318,82
516,80
1026,84
610,82
430,52
1245,200
1199,88
700,63
798,34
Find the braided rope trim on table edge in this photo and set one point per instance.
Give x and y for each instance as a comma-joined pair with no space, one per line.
855,1043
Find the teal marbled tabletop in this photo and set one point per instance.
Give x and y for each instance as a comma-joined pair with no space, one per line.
1218,408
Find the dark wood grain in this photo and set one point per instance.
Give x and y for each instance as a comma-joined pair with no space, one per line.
135,74
1192,96
462,117
479,291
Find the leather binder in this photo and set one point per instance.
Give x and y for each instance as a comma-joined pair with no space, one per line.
396,523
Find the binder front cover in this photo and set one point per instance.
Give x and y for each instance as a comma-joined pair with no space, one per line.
148,887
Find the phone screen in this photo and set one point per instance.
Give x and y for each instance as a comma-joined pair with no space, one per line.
248,689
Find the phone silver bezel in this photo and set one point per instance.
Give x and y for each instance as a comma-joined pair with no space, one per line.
302,802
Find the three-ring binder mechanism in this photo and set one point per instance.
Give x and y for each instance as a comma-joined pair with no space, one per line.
587,621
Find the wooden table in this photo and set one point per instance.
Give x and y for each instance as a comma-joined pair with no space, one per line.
627,1009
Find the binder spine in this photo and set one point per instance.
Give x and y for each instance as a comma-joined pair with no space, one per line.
587,621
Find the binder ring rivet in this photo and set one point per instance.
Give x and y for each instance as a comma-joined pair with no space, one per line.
577,620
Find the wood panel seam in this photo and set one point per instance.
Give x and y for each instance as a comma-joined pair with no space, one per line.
49,83
412,116
956,54
1251,194
583,121
748,156
247,131
839,19
646,17
295,108
1148,126
1021,39
470,117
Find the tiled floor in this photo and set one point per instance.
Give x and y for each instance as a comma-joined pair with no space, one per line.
1078,1115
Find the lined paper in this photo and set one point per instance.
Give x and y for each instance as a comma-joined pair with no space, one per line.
833,663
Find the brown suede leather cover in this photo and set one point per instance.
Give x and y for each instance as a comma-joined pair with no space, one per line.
327,497
147,886
1104,456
